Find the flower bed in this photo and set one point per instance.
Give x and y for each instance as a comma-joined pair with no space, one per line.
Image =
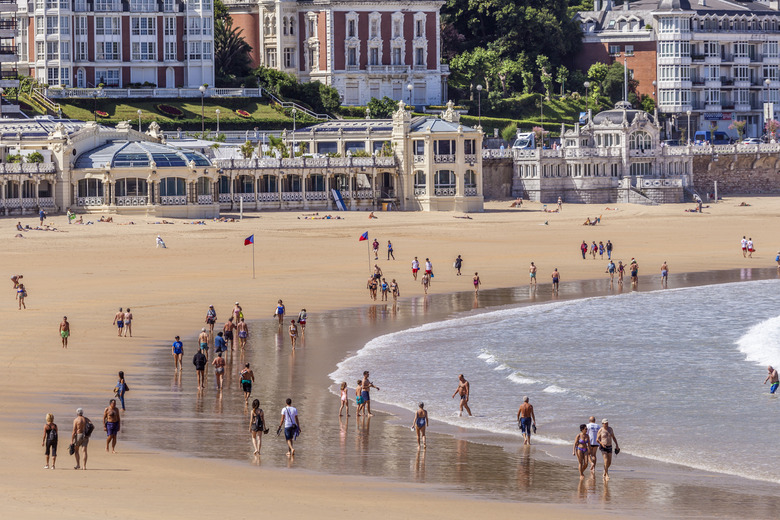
169,111
100,113
243,113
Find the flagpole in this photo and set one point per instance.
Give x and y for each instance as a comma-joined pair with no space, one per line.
253,258
368,250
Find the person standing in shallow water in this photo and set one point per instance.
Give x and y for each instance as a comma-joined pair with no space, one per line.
773,379
111,424
527,419
580,449
464,389
420,424
293,333
292,426
177,351
477,283
219,369
257,426
247,378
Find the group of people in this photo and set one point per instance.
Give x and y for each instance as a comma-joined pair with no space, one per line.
589,441
748,249
596,249
21,291
124,322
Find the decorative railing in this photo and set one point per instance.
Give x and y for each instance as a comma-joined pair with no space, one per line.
419,158
316,195
173,200
470,158
268,197
444,192
304,162
131,201
494,153
89,201
246,197
29,203
364,194
12,203
292,195
26,168
661,183
224,197
160,93
447,158
470,192
419,191
205,199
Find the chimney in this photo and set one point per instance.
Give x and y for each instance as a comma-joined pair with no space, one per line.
703,2
626,6
597,5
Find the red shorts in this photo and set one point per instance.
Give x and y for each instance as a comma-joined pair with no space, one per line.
414,270
427,271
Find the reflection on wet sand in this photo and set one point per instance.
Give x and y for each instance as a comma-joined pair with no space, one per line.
182,419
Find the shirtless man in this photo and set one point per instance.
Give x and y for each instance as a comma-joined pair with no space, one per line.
119,321
177,351
228,332
211,319
526,417
64,331
415,267
532,274
556,277
772,378
464,389
219,369
605,437
15,279
366,387
128,323
664,274
111,424
243,333
79,438
203,341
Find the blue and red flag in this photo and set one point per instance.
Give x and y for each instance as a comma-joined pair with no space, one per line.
249,240
364,236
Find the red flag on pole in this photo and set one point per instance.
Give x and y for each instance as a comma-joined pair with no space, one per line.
364,236
249,240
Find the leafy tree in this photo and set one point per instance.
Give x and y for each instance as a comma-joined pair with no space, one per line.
528,80
13,158
597,73
543,62
35,157
477,66
330,98
614,80
648,103
382,108
509,133
220,10
561,77
231,51
510,74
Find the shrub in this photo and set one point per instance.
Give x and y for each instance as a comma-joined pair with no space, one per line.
35,157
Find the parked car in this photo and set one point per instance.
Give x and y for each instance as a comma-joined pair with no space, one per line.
751,140
672,142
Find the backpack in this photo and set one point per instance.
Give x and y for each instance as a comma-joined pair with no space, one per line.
259,426
88,427
52,435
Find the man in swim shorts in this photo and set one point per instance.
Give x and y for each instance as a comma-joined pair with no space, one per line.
664,274
772,378
526,418
366,386
532,274
593,431
64,331
247,377
556,277
228,330
79,438
119,321
605,436
111,424
464,389
203,340
415,267
243,333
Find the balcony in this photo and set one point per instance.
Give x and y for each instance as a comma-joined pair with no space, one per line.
697,57
726,81
353,68
388,69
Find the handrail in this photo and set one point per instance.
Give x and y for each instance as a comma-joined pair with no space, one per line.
41,98
291,104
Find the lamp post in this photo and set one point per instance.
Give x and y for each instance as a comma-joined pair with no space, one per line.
294,111
1,101
479,105
94,104
139,119
368,113
688,113
767,81
202,89
587,89
409,87
217,111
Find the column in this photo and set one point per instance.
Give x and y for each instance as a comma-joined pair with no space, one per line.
215,191
53,183
279,178
373,185
255,184
112,185
106,192
303,189
37,193
328,193
352,191
187,192
157,192
5,196
21,185
232,188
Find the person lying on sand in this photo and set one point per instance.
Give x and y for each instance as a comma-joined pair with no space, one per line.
131,223
516,204
371,215
465,216
106,219
744,204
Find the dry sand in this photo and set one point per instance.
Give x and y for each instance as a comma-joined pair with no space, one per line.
87,272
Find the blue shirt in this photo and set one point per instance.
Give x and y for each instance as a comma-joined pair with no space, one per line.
219,344
178,348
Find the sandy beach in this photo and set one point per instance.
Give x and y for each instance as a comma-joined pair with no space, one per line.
88,271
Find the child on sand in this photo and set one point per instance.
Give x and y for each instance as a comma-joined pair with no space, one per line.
359,398
344,400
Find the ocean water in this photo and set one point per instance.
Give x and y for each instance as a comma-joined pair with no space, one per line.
677,372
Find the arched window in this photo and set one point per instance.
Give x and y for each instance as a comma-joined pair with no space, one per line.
245,184
90,188
292,26
470,179
640,141
284,25
267,184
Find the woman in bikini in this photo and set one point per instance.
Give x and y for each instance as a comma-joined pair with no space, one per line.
476,283
293,333
426,281
397,292
420,423
580,450
621,269
344,400
257,426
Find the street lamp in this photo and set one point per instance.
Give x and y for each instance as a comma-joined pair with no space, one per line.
202,89
688,113
1,101
409,87
217,122
294,111
368,113
95,95
479,105
587,88
139,119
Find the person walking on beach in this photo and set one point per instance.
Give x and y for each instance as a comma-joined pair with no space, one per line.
426,281
111,424
64,331
119,318
42,216
634,272
773,379
279,314
664,274
211,319
420,423
621,270
584,249
80,438
611,271
128,323
395,290
384,288
581,449
477,283
594,249
560,204
464,389
605,437
750,247
16,279
526,419
219,343
219,369
203,341
257,426
50,439
365,393
160,243
608,247
200,360
120,389
227,329
344,399
415,267
556,278
593,431
292,426
243,332
390,250
375,248
601,250
247,378
238,312
532,274
177,351
458,264
293,333
744,246
302,322
428,268
21,294
371,285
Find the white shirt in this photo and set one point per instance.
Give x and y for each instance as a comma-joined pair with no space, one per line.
428,266
744,243
749,245
415,264
593,431
289,413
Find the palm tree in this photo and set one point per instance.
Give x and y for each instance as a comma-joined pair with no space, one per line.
231,51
